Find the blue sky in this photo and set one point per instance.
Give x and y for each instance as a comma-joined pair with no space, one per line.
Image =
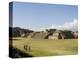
36,16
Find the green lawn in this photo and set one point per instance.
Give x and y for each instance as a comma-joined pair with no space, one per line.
46,47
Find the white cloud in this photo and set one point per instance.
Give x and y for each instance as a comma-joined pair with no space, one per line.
66,26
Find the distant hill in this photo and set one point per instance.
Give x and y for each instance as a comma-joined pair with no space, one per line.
17,31
47,34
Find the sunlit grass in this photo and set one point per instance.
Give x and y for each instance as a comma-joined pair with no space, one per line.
46,47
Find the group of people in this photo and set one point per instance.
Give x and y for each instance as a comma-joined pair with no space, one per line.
27,48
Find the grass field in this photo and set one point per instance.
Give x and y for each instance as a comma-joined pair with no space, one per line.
46,47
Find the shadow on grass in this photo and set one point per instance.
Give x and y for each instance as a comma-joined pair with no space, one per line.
16,53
